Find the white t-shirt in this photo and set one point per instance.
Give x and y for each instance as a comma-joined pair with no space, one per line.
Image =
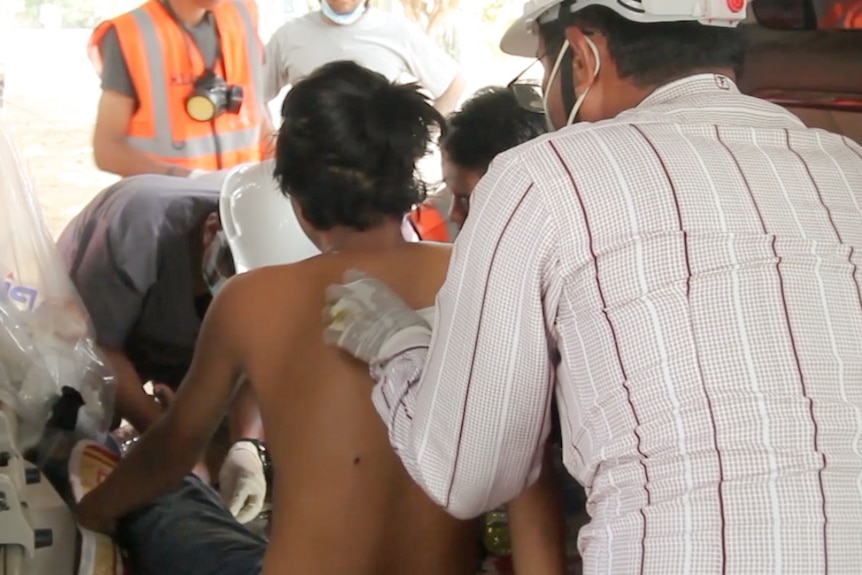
379,41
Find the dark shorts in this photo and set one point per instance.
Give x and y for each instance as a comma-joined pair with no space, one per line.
189,532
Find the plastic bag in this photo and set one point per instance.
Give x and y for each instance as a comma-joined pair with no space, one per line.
45,333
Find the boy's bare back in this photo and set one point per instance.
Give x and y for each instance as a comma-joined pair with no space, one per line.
343,503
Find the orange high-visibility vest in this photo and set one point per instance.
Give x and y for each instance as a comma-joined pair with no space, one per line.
164,63
429,223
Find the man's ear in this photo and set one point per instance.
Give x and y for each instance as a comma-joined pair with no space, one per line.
584,62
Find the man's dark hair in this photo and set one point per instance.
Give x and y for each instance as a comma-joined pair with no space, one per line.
655,53
488,124
348,146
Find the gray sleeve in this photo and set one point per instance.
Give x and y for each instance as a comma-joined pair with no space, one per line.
113,266
115,71
276,69
111,298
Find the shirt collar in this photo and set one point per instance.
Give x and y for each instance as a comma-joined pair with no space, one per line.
689,86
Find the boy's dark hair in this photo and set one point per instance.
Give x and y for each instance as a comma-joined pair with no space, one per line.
651,54
348,146
488,124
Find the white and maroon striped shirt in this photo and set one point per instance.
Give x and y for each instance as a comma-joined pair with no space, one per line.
694,262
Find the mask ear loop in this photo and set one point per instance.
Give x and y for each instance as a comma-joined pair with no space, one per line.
546,90
577,107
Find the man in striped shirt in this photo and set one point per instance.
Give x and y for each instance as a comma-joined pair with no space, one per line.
691,254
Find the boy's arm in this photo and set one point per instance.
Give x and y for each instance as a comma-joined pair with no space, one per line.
537,526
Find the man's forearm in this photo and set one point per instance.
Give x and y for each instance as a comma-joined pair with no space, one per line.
397,371
392,397
125,160
267,135
132,402
151,469
448,101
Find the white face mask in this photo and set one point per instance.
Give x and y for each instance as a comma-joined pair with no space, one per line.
342,19
580,99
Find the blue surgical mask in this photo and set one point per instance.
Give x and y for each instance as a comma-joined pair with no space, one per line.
342,19
213,277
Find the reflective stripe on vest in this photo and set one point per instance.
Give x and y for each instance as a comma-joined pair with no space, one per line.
429,224
160,127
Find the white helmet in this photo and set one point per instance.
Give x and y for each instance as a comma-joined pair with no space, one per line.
521,38
258,220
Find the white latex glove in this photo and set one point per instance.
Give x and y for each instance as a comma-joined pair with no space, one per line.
363,314
242,482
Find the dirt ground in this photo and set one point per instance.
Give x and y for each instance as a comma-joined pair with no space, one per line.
51,95
59,158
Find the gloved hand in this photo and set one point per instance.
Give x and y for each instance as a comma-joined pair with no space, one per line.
363,314
242,482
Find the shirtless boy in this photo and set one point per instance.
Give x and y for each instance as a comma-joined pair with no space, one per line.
343,504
